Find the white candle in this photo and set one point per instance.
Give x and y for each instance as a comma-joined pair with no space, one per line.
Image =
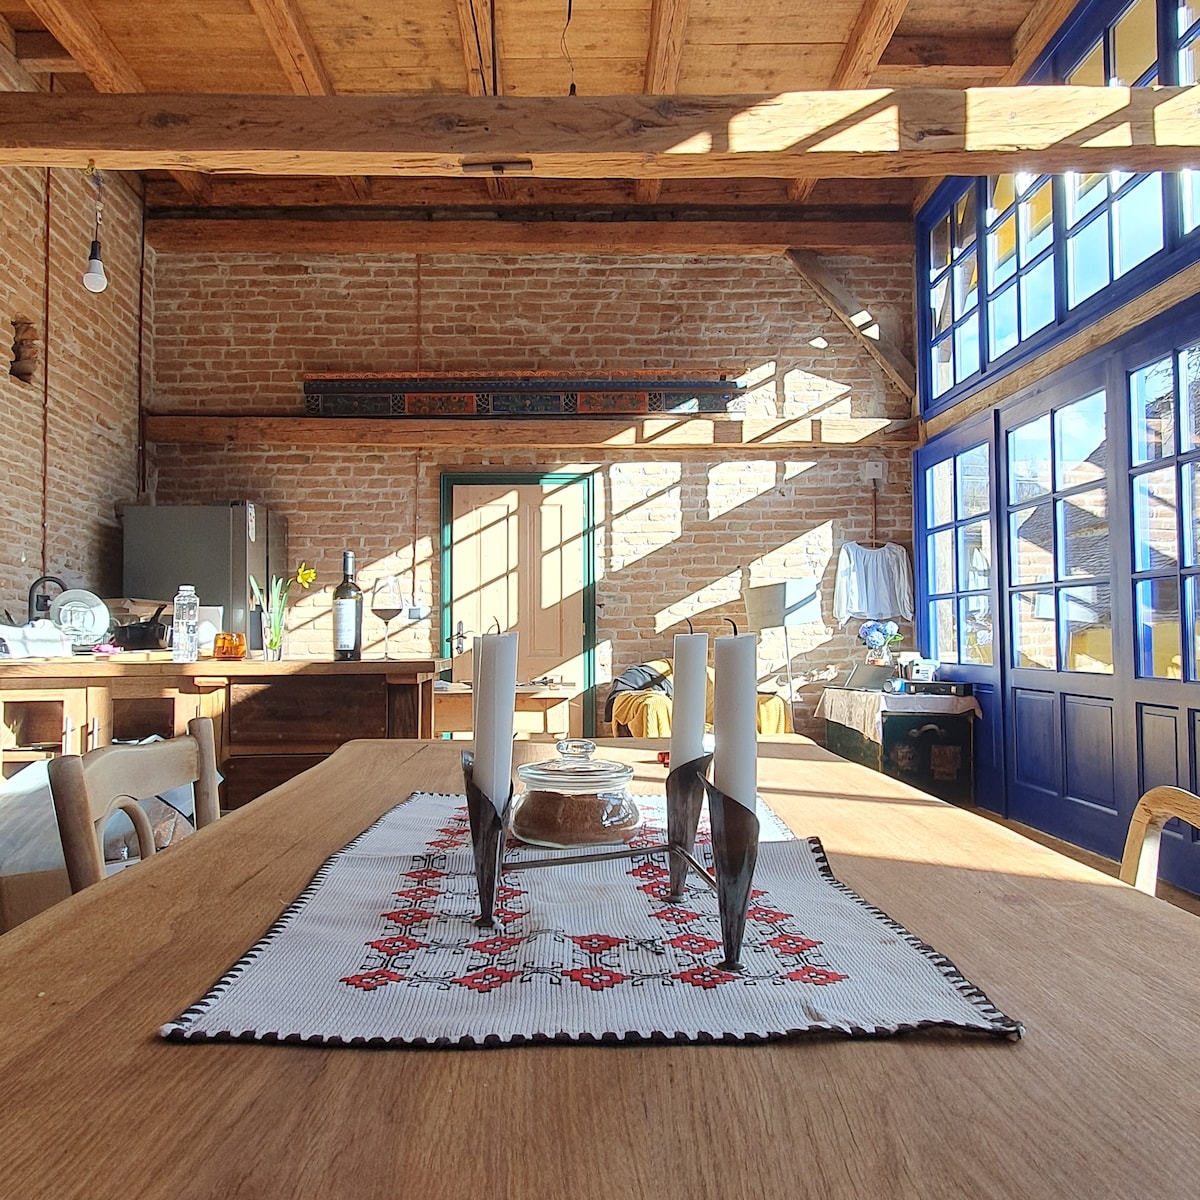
494,704
735,717
476,654
689,693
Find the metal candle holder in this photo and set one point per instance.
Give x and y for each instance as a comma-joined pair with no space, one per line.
487,839
734,842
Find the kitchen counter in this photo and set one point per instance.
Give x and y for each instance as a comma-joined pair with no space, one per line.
272,719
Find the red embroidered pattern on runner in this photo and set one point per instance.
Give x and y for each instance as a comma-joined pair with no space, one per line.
382,949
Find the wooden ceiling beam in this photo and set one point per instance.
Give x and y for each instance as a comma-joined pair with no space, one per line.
184,235
8,38
300,61
877,21
41,54
862,324
477,33
72,24
668,24
993,54
859,134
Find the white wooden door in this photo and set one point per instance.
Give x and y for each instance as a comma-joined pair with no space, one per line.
518,563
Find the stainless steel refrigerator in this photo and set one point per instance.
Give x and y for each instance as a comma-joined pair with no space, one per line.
216,547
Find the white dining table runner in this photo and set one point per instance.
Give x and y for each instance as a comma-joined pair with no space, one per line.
382,949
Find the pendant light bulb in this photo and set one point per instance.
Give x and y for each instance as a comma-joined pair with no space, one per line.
94,278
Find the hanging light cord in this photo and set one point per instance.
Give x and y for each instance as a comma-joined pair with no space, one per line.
562,43
97,177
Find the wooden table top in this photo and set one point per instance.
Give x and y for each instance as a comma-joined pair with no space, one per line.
152,663
1101,1098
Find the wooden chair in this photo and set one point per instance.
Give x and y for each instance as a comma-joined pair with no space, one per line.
87,790
1139,863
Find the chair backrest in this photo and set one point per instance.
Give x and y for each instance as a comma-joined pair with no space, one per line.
1139,863
87,790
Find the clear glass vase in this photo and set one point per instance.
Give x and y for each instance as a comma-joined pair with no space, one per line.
881,657
272,637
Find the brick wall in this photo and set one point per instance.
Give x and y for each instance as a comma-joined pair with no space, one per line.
71,430
236,333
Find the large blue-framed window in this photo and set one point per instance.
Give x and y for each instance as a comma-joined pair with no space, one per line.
1012,263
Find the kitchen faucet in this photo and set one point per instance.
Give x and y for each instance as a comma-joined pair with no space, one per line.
40,602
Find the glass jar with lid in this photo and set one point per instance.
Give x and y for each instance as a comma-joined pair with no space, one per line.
574,800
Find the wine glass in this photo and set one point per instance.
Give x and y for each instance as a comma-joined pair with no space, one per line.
387,604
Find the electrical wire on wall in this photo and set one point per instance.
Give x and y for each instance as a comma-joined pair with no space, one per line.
46,381
416,522
562,45
420,316
141,466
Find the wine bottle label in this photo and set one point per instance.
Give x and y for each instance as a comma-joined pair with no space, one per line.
345,625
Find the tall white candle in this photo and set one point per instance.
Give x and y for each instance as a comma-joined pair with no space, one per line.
689,693
476,654
494,706
735,717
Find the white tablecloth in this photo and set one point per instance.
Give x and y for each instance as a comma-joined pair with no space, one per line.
863,711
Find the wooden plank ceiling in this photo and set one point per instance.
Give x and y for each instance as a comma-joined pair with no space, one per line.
444,50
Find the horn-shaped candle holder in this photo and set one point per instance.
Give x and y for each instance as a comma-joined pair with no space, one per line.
487,839
735,851
685,797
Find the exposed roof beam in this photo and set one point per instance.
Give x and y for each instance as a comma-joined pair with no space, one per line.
8,39
668,22
40,54
477,30
861,323
289,38
877,21
856,134
72,24
990,53
521,237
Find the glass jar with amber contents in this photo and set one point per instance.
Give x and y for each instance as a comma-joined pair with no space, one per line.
574,800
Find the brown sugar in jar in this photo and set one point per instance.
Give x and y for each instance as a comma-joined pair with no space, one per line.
574,800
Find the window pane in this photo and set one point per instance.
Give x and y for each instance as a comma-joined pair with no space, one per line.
939,304
1029,460
1086,617
1037,298
939,246
1135,43
1030,544
1154,537
944,622
1079,446
941,562
964,220
1189,386
1090,71
1152,412
1189,184
1159,643
1033,638
1037,222
1082,528
1191,514
1084,193
1001,193
975,621
1087,261
975,557
941,366
965,284
1192,585
966,348
940,497
1138,224
974,487
1002,252
1002,323
1189,57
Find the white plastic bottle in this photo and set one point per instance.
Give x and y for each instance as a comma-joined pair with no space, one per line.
185,641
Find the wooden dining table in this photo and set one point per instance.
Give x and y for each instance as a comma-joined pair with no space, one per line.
1101,1098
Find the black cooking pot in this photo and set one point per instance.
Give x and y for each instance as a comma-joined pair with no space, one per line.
150,634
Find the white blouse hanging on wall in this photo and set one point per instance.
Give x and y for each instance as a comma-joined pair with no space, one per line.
872,582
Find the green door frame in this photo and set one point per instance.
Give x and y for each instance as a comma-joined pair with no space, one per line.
584,479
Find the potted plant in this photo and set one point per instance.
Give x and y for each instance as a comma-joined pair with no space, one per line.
273,605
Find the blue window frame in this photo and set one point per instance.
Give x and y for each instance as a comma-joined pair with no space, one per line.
1054,253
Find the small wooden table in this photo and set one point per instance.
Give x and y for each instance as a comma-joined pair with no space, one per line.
1101,1099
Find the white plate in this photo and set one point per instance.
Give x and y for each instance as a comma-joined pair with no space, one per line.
81,615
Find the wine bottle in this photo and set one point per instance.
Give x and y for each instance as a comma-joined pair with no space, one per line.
347,614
